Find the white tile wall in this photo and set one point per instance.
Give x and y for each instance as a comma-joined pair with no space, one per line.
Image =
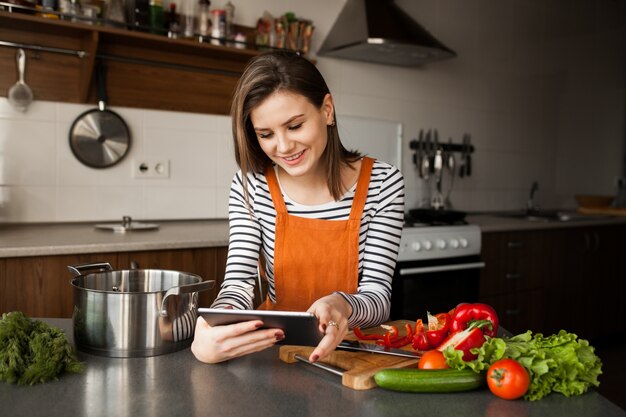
539,86
42,181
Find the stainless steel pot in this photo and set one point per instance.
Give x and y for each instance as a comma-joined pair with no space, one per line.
136,312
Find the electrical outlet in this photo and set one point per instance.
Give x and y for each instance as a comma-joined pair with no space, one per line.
153,168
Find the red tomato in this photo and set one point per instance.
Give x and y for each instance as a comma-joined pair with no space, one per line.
508,379
432,359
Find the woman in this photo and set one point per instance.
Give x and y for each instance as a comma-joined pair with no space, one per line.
324,221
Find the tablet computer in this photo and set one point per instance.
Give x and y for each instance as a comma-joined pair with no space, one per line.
300,328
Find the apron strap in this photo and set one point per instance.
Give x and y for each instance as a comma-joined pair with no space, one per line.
363,185
277,195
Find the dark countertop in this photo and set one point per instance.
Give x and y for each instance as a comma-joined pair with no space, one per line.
176,384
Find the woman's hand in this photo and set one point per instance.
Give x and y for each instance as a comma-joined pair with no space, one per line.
332,312
213,344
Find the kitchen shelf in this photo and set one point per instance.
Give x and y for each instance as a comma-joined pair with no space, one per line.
144,70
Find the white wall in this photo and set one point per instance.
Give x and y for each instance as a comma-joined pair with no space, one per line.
540,88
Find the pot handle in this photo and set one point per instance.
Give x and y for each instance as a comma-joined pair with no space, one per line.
77,270
185,289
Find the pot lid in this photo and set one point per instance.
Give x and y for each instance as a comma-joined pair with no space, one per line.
99,138
127,225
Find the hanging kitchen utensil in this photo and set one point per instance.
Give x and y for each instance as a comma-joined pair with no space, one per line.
20,94
99,138
450,163
464,154
437,198
417,154
468,162
425,163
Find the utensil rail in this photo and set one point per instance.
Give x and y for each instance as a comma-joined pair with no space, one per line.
147,62
40,48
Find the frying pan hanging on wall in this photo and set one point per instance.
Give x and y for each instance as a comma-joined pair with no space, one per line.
99,138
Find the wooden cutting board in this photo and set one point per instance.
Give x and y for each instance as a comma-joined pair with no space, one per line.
359,367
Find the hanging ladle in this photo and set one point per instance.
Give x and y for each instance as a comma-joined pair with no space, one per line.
20,95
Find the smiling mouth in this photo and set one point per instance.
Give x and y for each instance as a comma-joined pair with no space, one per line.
293,157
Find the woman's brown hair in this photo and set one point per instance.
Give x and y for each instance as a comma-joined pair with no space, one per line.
282,71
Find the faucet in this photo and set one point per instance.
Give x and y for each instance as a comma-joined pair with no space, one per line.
530,205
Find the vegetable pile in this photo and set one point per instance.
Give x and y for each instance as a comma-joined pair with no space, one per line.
557,363
528,365
32,351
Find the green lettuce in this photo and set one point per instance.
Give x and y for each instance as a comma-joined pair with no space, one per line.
557,363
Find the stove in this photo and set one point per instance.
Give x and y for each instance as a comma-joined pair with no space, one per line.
423,241
438,267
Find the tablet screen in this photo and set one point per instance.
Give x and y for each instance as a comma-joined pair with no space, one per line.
300,328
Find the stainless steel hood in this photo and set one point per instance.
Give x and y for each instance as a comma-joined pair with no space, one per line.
381,32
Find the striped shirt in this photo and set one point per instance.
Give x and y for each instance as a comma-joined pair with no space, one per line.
379,240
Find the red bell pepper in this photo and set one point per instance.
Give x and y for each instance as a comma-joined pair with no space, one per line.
465,314
420,340
438,328
467,339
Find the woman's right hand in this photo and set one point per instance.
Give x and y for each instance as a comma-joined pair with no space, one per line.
213,344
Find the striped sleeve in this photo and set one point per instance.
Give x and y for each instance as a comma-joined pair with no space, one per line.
378,247
243,249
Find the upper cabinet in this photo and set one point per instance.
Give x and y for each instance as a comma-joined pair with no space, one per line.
143,70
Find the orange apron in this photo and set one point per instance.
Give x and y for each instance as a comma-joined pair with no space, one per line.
314,257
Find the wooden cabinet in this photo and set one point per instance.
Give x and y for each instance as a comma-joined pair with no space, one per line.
568,278
143,70
40,286
585,296
513,280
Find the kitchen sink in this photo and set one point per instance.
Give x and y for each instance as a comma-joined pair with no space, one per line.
542,215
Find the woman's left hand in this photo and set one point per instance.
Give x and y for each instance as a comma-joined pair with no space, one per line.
332,311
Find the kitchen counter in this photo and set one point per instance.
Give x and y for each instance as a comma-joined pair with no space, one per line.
75,238
492,222
260,384
18,240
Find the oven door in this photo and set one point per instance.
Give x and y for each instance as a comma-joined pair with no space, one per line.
434,285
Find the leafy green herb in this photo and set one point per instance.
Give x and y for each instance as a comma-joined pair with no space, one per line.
32,351
557,363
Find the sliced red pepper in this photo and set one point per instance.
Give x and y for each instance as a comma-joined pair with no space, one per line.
360,335
438,328
420,340
467,339
405,340
465,314
390,336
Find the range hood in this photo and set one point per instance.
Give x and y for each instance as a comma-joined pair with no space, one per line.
381,32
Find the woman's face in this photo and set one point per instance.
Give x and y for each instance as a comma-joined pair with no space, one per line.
292,131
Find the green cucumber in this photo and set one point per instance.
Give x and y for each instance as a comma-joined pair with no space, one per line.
429,380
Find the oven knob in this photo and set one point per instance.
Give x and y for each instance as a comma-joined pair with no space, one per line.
464,243
441,244
416,246
454,243
427,244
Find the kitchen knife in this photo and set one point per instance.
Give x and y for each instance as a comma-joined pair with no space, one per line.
468,168
332,369
373,348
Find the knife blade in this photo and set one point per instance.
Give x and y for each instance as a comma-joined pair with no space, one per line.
373,348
